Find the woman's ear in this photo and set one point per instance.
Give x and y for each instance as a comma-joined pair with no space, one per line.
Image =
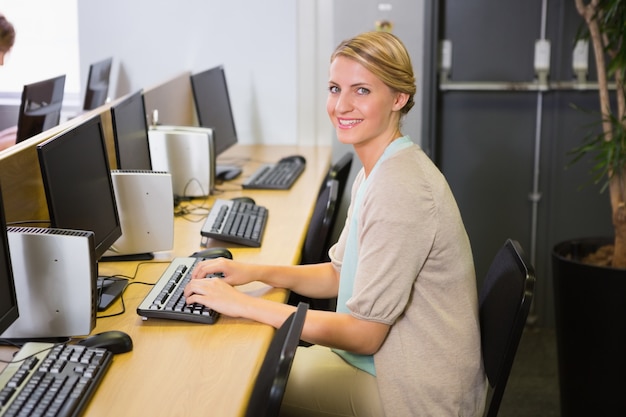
400,100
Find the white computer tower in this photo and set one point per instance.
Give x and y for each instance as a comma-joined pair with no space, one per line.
188,154
145,203
55,273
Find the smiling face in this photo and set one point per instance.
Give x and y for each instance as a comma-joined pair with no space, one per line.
363,109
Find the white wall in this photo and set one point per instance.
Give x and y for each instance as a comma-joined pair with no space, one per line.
275,53
154,40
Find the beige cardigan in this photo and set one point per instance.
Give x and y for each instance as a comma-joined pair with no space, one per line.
416,273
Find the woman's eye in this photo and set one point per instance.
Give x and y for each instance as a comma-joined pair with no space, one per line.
362,91
333,89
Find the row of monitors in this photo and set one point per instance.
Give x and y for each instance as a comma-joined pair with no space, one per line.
213,110
75,166
40,108
77,178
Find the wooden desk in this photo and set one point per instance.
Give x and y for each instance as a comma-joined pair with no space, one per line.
179,368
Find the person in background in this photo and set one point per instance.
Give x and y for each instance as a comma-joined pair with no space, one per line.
7,39
405,338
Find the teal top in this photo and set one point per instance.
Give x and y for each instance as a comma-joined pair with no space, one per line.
351,257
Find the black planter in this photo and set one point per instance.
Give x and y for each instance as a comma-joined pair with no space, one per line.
590,314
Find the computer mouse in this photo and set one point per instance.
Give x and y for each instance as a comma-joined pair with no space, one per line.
248,200
210,253
294,158
115,341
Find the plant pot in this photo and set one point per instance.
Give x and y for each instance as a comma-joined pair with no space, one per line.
590,317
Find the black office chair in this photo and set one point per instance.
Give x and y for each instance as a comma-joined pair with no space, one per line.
340,172
269,387
315,247
504,304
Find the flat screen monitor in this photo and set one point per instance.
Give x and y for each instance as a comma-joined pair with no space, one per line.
210,94
40,108
8,298
130,132
97,89
77,183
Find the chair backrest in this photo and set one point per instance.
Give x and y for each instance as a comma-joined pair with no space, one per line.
504,304
340,172
315,246
269,387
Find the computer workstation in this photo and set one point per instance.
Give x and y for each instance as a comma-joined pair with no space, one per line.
42,377
214,110
79,192
230,347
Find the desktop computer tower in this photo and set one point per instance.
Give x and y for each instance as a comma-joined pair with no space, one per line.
55,274
145,203
188,154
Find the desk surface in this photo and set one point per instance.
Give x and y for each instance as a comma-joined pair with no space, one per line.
180,368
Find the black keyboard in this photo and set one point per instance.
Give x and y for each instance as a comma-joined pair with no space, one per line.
278,176
48,379
166,299
236,222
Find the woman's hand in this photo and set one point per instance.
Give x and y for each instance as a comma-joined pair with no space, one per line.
216,294
231,272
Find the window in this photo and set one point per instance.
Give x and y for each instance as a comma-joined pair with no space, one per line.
46,45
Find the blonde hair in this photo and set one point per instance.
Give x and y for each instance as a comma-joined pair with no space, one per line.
7,34
385,56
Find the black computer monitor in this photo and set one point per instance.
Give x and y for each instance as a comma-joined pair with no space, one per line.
77,183
97,84
210,94
130,132
8,298
40,108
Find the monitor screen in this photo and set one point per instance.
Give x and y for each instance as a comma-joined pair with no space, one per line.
210,94
40,108
97,84
130,131
8,298
77,183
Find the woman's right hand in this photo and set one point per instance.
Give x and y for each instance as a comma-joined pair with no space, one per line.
232,272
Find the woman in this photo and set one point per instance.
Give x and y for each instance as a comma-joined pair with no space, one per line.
405,339
7,37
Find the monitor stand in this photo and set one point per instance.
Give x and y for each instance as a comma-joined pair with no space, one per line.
131,257
19,341
227,172
109,289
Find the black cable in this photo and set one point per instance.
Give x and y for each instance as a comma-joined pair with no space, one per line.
130,282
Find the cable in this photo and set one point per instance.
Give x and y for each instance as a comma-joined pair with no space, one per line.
131,281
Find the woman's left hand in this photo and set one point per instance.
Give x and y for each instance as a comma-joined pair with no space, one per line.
215,294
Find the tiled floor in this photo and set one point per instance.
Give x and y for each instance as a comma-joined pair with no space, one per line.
533,387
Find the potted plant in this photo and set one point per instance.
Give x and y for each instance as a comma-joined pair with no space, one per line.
590,300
